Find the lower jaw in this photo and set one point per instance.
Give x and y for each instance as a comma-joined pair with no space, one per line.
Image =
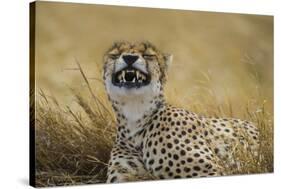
129,85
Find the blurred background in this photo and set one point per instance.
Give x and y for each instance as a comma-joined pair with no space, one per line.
220,59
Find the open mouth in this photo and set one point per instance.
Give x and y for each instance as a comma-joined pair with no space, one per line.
130,78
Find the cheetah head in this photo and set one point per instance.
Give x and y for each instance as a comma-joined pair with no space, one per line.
134,70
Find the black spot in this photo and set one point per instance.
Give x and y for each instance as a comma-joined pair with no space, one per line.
186,169
150,162
169,145
175,114
208,166
196,147
158,125
163,150
196,168
217,150
176,141
187,141
176,157
132,164
227,130
178,170
170,163
178,123
194,174
189,160
196,155
147,154
158,168
182,152
151,127
169,155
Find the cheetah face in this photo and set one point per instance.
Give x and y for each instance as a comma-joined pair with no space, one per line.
134,69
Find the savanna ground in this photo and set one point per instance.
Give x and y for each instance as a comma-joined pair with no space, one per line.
223,66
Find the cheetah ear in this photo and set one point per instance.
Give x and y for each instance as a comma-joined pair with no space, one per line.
168,59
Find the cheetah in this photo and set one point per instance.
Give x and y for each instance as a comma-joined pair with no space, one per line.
155,138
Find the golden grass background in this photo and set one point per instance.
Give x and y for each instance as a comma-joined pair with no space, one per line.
223,66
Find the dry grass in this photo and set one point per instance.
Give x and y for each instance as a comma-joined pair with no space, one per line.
72,147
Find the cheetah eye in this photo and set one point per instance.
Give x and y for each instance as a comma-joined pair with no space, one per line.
114,56
149,56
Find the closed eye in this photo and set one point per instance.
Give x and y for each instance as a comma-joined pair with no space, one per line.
114,56
149,56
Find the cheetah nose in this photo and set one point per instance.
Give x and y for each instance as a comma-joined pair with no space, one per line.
130,59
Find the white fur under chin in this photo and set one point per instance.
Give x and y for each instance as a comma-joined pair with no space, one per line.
133,103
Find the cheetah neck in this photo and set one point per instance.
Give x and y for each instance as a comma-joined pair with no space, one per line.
133,114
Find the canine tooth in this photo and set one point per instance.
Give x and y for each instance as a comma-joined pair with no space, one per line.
134,80
140,81
137,73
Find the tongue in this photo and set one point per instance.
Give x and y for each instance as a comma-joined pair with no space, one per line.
129,76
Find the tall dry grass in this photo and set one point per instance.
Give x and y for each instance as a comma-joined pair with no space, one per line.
73,146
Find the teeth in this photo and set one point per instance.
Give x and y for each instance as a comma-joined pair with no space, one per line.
139,77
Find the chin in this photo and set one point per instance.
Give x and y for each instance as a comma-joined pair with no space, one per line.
131,93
